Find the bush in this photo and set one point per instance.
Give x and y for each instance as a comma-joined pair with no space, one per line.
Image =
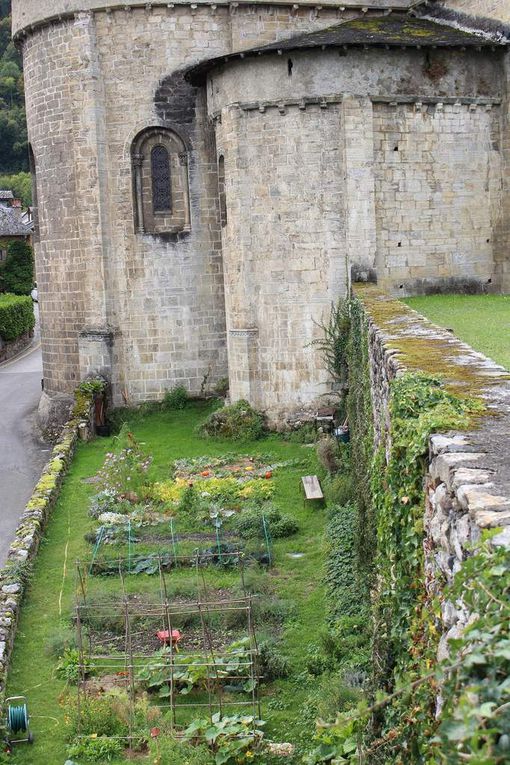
237,422
16,316
168,750
249,524
99,749
60,642
221,387
304,434
176,398
332,455
344,592
340,489
106,715
272,663
18,268
68,666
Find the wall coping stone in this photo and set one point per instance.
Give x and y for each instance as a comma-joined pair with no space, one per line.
484,448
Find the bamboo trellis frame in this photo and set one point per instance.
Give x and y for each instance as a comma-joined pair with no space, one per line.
128,660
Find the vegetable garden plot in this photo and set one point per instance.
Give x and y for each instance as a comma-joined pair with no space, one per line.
166,659
142,550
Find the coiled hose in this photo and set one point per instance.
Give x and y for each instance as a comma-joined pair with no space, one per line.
17,718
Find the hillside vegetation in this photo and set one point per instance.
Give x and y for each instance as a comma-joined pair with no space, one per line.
13,128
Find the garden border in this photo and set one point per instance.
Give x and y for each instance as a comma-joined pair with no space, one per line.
15,575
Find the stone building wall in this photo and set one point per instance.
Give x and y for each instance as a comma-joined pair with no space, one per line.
498,10
430,213
283,248
466,485
26,13
146,311
438,193
302,137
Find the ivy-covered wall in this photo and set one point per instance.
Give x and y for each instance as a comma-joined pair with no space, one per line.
429,419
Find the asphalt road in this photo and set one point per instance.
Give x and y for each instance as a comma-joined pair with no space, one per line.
22,454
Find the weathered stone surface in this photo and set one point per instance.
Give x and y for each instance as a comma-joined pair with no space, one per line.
10,589
474,498
442,465
467,486
471,475
327,163
26,541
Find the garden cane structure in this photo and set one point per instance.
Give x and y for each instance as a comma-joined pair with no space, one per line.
167,646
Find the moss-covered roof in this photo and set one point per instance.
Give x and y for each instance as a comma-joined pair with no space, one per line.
394,30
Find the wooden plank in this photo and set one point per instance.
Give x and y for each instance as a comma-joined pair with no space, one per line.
312,487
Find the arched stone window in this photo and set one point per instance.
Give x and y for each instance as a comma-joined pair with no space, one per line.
160,182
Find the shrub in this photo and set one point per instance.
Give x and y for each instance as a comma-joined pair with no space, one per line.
249,524
176,398
16,316
168,750
272,610
272,663
60,642
304,434
237,422
342,581
222,386
68,666
18,268
100,749
98,716
340,489
329,454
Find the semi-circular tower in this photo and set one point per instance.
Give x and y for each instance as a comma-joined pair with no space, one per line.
196,220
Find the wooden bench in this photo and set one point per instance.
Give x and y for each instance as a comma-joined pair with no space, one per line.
312,489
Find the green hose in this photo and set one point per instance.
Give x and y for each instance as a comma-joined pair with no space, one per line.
17,718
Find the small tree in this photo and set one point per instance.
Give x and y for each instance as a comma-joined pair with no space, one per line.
18,269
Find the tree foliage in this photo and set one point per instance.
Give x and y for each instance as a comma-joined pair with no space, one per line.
20,184
13,128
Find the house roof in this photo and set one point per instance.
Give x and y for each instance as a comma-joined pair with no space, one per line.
5,194
11,223
396,30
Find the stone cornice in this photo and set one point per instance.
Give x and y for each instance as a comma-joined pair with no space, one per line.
31,15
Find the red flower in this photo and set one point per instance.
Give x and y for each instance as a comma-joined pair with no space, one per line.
155,732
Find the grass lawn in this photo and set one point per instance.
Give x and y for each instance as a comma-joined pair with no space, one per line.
482,321
295,582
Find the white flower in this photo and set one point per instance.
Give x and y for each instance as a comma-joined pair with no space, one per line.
112,519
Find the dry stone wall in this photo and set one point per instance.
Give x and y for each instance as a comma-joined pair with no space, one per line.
10,348
466,486
29,533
